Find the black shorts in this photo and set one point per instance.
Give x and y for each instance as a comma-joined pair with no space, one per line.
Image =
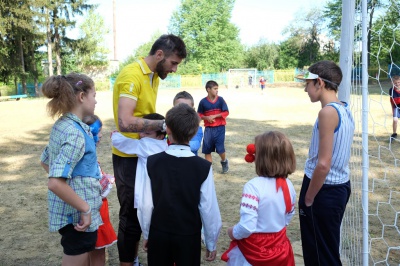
75,242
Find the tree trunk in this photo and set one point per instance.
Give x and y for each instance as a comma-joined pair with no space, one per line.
22,62
58,56
57,50
35,73
49,46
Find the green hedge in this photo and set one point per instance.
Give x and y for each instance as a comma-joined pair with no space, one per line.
7,90
284,75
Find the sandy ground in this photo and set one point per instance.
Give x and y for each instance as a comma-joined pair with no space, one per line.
25,127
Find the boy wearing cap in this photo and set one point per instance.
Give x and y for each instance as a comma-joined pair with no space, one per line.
326,188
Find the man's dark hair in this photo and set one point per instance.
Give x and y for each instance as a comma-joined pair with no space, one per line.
169,44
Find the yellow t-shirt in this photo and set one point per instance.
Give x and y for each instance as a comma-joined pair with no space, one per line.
137,82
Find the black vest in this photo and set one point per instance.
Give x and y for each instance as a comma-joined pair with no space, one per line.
175,185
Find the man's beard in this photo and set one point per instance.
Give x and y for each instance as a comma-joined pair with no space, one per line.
160,69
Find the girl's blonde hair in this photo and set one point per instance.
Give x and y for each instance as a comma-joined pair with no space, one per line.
62,91
274,155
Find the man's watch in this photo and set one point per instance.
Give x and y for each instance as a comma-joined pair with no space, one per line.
164,126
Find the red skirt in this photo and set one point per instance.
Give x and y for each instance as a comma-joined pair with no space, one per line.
259,249
105,234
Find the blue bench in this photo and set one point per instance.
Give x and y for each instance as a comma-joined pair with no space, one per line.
16,97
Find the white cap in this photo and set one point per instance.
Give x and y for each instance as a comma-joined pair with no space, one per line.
307,75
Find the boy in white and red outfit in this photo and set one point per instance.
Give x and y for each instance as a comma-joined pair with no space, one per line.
149,143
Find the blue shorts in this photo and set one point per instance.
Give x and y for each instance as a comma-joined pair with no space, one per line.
213,140
396,112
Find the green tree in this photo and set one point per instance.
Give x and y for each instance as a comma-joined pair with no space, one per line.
262,56
60,19
305,31
20,38
333,16
385,33
90,49
289,52
212,40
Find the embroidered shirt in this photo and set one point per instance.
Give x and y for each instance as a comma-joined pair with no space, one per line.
263,209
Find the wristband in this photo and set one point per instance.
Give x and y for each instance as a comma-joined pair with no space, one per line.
88,212
164,126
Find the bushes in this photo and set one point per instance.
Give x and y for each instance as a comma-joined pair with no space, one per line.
7,90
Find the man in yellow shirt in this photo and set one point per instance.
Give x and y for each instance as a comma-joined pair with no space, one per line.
134,95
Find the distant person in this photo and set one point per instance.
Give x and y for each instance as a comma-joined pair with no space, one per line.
214,110
183,196
262,83
250,80
149,143
326,188
70,160
394,93
186,97
106,236
134,95
267,207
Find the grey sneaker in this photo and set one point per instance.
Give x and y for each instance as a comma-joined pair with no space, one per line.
225,166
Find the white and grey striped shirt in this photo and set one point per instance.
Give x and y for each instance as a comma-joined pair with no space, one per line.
342,140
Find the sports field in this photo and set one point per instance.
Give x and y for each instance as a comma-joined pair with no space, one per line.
25,127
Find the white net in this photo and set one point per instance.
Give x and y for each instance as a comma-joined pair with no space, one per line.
379,202
242,78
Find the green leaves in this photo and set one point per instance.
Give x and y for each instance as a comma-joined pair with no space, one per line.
212,40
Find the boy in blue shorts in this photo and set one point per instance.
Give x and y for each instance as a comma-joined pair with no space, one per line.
214,110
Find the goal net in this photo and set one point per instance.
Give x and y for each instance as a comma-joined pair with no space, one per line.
371,225
242,78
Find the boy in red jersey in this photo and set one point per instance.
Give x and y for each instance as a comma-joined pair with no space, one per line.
394,93
213,110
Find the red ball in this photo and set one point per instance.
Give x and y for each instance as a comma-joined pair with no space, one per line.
249,158
251,148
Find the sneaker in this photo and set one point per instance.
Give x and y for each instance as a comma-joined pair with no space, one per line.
394,135
225,166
